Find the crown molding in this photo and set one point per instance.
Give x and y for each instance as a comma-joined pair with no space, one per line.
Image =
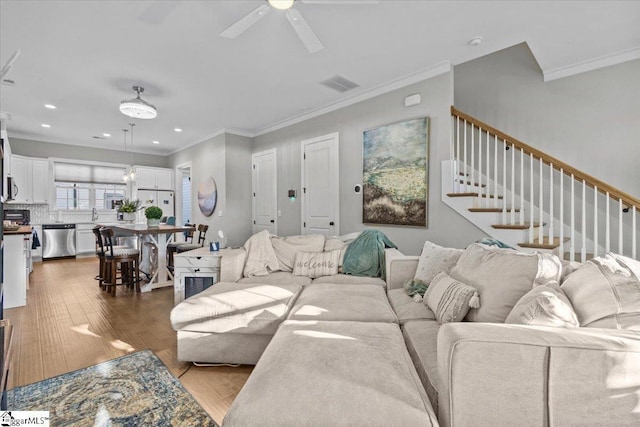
424,74
238,132
592,64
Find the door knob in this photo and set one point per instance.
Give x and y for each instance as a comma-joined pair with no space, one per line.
272,221
331,223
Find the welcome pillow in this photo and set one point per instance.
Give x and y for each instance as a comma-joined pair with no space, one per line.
605,292
286,248
316,264
502,277
435,259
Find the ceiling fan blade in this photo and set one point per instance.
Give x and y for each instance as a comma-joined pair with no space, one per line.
7,67
341,2
158,11
306,34
239,27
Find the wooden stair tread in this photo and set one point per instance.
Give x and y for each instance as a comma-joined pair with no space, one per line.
567,256
498,210
474,184
544,244
491,196
524,226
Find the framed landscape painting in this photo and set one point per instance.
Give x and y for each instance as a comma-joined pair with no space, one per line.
395,173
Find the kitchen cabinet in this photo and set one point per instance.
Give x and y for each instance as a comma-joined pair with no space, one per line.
17,251
85,239
21,174
40,182
154,178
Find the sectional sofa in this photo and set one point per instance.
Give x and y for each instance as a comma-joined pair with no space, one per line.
368,353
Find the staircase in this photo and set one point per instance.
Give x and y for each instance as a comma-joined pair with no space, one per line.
532,201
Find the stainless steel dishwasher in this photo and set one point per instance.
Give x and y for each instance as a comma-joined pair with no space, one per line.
58,241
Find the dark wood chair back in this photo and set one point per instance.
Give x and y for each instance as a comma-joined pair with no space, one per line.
99,242
107,238
202,230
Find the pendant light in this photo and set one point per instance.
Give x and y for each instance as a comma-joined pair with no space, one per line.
137,107
132,171
125,177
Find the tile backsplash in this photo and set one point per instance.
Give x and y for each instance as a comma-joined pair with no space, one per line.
40,214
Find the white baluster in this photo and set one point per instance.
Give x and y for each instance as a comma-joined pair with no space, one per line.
495,170
634,232
551,203
472,174
572,245
488,186
531,198
456,172
512,219
561,213
620,224
607,231
583,252
479,166
464,175
541,201
595,220
504,182
521,214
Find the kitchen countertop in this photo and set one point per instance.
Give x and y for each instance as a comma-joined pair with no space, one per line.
24,229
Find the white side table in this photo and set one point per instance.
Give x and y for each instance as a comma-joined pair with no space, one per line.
194,271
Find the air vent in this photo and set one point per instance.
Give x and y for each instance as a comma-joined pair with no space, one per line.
8,82
339,83
98,137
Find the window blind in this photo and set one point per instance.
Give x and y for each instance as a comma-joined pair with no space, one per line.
96,174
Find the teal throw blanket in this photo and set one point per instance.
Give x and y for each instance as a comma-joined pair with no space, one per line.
365,255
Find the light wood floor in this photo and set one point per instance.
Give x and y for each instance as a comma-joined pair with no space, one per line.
69,323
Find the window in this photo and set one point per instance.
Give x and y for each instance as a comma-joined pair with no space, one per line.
186,198
108,195
81,186
72,196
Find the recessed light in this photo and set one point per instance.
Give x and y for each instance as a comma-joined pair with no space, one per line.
106,135
50,106
156,142
178,130
44,125
475,41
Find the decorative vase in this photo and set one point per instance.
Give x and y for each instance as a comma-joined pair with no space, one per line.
153,222
129,216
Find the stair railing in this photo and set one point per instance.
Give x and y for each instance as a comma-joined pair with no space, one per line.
497,168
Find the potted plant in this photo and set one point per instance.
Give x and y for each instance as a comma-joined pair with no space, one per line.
153,214
128,209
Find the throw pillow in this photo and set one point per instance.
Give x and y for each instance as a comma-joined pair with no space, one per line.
435,259
333,244
502,277
287,247
450,299
605,292
545,305
316,264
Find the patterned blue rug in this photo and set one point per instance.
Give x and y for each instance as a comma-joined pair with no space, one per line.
133,390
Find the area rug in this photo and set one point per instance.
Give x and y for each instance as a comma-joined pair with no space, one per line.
133,390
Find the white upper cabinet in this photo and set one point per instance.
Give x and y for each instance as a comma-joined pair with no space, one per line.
40,180
22,180
154,178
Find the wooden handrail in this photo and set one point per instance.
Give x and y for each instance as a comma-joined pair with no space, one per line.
568,170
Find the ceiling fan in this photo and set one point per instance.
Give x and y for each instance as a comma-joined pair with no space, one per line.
299,24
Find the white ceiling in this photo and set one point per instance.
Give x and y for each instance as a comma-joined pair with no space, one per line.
84,56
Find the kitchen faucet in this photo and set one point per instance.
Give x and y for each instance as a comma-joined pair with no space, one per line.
94,214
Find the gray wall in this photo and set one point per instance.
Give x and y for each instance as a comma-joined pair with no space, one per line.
445,226
590,121
25,147
226,158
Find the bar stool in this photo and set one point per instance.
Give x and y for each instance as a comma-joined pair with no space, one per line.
172,247
100,252
126,258
202,235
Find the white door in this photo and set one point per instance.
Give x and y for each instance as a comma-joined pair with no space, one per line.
264,187
320,192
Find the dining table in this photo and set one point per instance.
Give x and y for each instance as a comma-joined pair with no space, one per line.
160,236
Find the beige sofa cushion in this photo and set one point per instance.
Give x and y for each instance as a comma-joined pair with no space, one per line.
286,248
261,258
502,277
421,338
435,259
347,279
406,308
333,244
236,308
545,305
277,278
605,292
359,303
333,374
